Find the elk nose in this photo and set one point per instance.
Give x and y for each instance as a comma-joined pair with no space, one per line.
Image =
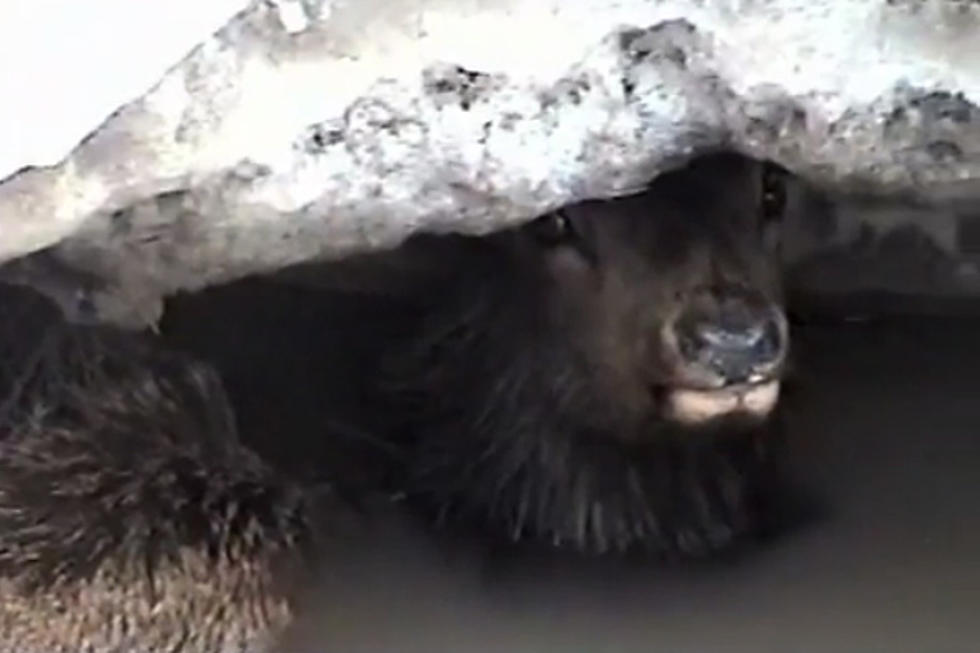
737,342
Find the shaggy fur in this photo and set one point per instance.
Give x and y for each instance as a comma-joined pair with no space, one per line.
131,518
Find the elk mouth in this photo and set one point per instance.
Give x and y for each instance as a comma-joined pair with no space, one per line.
726,349
755,400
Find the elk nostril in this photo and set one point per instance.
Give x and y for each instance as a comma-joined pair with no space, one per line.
721,337
735,349
770,344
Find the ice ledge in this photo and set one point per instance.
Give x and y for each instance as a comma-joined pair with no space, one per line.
307,129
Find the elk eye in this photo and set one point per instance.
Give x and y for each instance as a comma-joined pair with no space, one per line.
773,195
553,229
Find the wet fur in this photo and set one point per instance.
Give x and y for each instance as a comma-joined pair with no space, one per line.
131,517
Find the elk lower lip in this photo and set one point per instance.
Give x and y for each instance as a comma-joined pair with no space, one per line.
697,406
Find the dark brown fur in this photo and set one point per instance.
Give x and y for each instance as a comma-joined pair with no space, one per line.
131,518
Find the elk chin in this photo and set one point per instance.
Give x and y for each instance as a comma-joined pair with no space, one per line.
700,406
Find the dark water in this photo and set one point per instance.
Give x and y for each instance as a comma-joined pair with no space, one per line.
886,426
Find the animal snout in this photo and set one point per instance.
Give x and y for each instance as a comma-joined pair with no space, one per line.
737,338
